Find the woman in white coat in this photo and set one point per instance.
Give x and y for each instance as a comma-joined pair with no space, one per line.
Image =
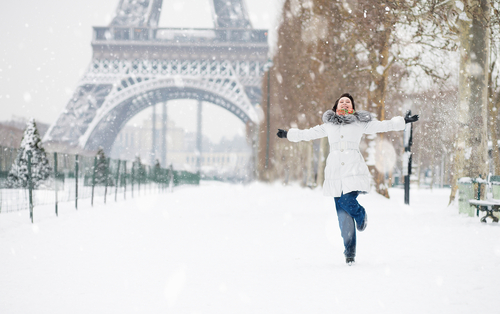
346,173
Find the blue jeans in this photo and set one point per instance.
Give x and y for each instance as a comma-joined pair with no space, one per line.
349,211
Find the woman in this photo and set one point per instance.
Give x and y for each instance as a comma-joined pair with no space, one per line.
346,173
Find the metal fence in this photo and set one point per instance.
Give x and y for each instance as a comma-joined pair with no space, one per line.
75,178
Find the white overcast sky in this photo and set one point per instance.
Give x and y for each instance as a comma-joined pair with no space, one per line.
45,48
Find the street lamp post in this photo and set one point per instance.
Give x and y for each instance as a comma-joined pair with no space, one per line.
267,67
408,141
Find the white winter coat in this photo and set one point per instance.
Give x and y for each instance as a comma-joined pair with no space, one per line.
346,170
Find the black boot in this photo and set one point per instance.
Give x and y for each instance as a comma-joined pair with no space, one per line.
349,261
362,226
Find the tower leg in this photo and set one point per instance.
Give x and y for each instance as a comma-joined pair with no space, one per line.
164,136
198,137
153,136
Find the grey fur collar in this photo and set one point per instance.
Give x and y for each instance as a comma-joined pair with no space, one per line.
331,117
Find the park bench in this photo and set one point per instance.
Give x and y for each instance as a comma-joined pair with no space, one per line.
489,205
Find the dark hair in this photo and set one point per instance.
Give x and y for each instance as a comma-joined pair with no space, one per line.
344,95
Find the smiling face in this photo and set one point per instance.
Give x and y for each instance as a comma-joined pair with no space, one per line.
344,103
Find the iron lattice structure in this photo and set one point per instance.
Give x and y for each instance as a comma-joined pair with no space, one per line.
135,65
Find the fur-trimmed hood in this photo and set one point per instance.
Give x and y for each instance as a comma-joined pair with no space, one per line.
362,116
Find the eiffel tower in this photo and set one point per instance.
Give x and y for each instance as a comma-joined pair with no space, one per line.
136,64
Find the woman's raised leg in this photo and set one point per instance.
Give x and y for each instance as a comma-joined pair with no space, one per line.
347,230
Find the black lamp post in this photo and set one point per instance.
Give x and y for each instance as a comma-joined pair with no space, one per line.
408,141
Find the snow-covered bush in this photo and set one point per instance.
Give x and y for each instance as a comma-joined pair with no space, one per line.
101,170
40,168
140,174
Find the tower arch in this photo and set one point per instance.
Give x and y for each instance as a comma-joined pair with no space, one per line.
127,103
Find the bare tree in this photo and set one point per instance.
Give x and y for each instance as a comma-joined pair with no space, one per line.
472,22
313,65
326,48
435,134
386,30
494,87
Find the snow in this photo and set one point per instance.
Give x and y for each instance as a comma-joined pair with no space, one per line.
259,248
459,5
380,69
465,180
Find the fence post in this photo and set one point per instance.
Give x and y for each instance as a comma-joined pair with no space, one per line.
147,180
139,173
106,177
93,181
171,178
30,185
76,182
162,184
117,178
165,180
125,180
151,180
55,180
155,179
132,178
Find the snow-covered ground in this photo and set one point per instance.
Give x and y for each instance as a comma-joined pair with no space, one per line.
222,248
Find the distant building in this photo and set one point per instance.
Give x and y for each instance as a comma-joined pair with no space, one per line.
10,136
212,163
229,158
138,140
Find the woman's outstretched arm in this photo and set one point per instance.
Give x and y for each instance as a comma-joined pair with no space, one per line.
375,126
395,124
296,135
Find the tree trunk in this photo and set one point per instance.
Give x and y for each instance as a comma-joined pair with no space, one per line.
493,106
324,149
376,98
494,135
419,173
309,179
433,169
472,143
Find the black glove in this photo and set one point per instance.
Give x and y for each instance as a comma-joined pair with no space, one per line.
281,133
409,118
